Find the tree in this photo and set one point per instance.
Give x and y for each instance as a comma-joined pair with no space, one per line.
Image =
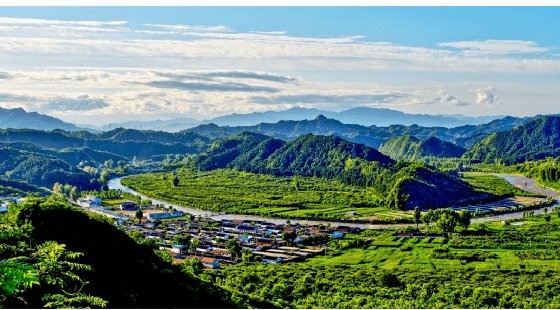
417,215
109,163
194,245
464,218
545,210
104,179
446,223
289,237
137,236
233,248
196,265
547,218
182,239
175,181
139,214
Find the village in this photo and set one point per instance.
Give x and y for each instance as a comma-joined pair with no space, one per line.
217,242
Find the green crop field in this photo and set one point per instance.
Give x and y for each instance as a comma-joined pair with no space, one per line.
490,265
266,195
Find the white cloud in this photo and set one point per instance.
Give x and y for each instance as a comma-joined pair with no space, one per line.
33,21
500,47
485,96
191,28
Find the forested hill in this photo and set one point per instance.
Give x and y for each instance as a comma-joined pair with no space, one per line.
71,155
535,140
123,142
308,155
464,136
401,185
10,188
409,148
19,118
40,169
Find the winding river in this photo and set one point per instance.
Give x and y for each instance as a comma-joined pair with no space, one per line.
522,182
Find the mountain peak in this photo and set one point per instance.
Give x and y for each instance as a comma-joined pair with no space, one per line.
320,117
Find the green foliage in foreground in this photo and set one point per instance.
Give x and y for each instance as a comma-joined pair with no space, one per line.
505,270
45,236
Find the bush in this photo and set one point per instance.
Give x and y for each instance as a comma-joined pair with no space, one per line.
406,248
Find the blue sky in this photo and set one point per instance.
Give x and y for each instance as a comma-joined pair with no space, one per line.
95,64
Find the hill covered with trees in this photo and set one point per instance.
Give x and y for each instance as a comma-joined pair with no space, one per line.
123,142
535,140
401,185
40,169
409,148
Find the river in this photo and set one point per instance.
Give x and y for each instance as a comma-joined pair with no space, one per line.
522,182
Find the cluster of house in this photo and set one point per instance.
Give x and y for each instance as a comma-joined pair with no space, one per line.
5,203
93,204
262,239
132,206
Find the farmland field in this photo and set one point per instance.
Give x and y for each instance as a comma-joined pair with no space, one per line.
265,195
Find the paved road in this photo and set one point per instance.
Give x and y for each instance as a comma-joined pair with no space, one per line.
525,183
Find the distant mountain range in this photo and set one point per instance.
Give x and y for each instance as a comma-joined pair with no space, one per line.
363,116
464,136
20,119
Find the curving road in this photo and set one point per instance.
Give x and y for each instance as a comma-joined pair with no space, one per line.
522,182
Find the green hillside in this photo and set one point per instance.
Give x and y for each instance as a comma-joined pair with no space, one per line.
535,140
17,188
40,169
409,148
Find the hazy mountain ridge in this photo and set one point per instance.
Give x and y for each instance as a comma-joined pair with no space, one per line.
365,116
20,119
371,136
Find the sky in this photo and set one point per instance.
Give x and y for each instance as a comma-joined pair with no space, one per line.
101,65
